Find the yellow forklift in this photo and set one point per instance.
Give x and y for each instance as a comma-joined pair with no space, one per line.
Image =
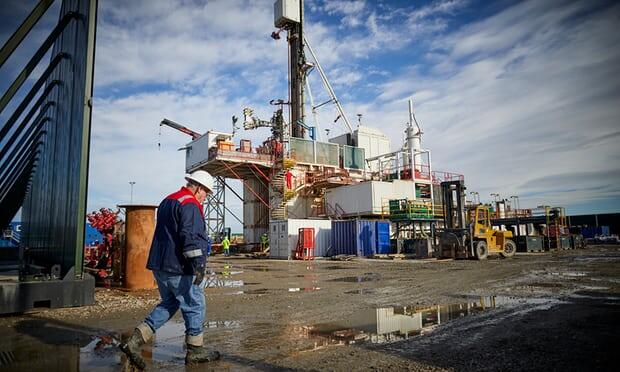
467,232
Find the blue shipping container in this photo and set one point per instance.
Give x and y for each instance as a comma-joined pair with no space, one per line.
383,237
354,237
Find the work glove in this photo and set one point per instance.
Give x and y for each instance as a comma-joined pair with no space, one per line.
199,270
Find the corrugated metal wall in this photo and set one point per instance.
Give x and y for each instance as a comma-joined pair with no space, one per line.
354,237
54,211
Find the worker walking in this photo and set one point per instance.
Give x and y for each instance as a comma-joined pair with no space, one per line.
226,245
177,259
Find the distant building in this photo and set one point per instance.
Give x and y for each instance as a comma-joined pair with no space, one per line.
611,220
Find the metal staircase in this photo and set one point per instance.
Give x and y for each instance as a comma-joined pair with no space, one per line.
277,197
280,196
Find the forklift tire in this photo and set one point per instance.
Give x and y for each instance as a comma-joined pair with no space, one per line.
481,250
509,248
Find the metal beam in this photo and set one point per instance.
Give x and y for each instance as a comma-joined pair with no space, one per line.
33,91
18,172
26,120
248,186
34,61
28,148
24,159
23,30
89,75
26,136
232,214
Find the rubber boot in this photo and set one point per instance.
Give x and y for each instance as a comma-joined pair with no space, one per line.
196,353
141,334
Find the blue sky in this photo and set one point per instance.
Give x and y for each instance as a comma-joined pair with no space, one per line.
520,97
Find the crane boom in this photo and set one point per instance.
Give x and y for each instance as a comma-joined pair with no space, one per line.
180,128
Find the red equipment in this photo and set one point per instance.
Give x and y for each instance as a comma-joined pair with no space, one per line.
102,256
305,244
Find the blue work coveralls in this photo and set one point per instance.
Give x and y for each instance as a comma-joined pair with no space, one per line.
179,246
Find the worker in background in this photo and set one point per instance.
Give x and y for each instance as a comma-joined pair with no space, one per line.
288,176
226,245
264,242
178,259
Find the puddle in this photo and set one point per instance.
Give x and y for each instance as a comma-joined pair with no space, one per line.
381,325
224,283
338,268
262,291
546,285
306,289
228,273
390,324
574,274
594,258
366,277
261,268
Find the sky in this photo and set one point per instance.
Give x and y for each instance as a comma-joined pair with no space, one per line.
523,98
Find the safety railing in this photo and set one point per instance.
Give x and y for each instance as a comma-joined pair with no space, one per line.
440,176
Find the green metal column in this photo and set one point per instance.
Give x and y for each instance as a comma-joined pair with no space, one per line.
85,150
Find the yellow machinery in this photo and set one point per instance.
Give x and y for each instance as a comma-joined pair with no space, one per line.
467,232
486,240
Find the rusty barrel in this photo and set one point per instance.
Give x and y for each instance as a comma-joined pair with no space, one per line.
139,229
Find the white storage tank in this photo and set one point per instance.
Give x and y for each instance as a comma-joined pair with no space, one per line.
284,234
368,198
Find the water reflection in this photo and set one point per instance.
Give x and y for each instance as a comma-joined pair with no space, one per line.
366,277
389,324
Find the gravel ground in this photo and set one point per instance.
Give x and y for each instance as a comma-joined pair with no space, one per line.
554,311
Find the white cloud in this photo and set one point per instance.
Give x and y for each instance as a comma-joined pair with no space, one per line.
529,112
147,42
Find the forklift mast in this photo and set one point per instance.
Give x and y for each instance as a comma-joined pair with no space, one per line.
453,196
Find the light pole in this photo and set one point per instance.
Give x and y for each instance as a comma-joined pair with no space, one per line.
474,194
495,196
131,183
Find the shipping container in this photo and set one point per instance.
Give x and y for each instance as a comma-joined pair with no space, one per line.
354,237
368,198
284,235
383,237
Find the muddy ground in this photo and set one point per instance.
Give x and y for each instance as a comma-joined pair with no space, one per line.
553,311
